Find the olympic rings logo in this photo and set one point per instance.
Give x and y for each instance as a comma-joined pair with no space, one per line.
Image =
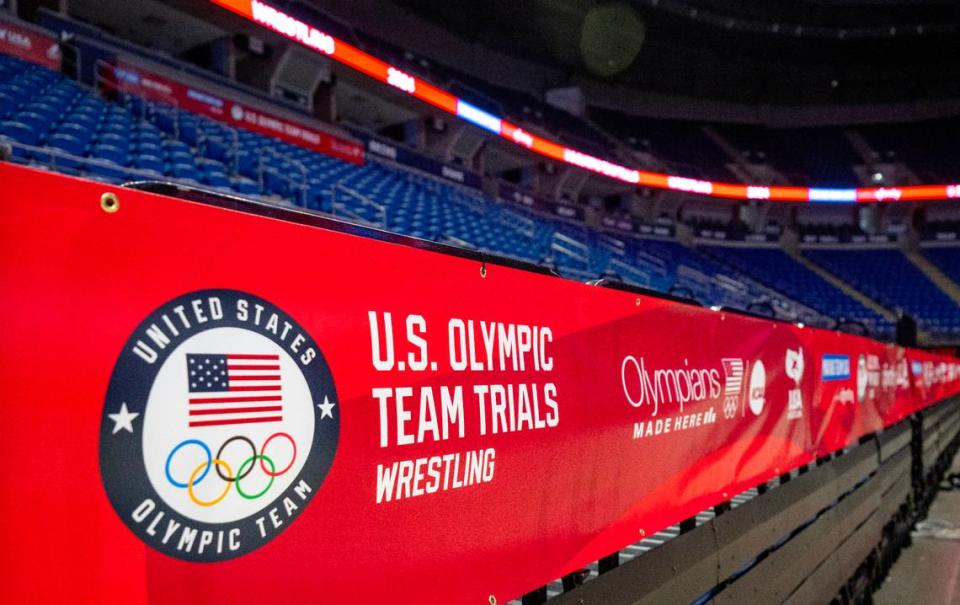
223,469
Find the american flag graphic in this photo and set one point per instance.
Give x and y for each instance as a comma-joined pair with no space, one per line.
733,370
233,389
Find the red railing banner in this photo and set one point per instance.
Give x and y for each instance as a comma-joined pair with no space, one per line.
234,113
29,44
857,382
204,410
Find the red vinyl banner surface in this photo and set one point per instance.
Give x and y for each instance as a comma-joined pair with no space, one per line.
862,387
138,81
205,413
29,45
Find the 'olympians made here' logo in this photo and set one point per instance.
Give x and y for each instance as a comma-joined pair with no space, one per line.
219,425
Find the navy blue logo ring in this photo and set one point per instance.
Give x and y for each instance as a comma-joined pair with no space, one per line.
219,427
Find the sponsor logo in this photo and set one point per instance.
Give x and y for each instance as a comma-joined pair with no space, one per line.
843,396
379,148
344,148
863,378
17,39
206,98
887,194
794,363
667,391
452,173
219,425
794,367
127,76
903,375
758,386
888,376
733,374
868,376
835,367
668,386
236,112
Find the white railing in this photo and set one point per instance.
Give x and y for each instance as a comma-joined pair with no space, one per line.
570,246
611,244
626,271
511,219
456,241
340,193
301,186
82,162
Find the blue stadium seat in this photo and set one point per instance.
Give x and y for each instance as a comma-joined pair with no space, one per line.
66,142
888,277
19,131
41,108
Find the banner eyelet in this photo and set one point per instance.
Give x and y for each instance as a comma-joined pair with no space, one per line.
109,202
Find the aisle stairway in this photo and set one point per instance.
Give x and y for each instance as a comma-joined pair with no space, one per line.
934,274
888,277
846,288
801,280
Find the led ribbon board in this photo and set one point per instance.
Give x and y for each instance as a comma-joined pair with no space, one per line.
305,34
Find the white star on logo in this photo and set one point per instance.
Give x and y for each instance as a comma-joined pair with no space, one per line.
326,408
123,419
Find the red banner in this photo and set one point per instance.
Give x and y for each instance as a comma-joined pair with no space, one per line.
205,414
143,83
29,45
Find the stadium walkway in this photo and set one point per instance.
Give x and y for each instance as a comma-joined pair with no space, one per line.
929,571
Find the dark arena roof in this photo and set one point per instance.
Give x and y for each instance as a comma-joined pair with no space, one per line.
778,52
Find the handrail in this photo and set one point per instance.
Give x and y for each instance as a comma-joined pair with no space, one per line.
527,227
57,153
304,173
364,200
616,262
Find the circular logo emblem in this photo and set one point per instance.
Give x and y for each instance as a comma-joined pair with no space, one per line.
220,425
236,112
758,388
862,378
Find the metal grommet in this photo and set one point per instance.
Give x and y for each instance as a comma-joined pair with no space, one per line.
109,202
483,274
638,301
492,599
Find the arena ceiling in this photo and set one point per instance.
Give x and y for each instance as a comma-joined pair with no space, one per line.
776,51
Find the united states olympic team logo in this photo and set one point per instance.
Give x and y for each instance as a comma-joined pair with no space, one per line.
220,424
